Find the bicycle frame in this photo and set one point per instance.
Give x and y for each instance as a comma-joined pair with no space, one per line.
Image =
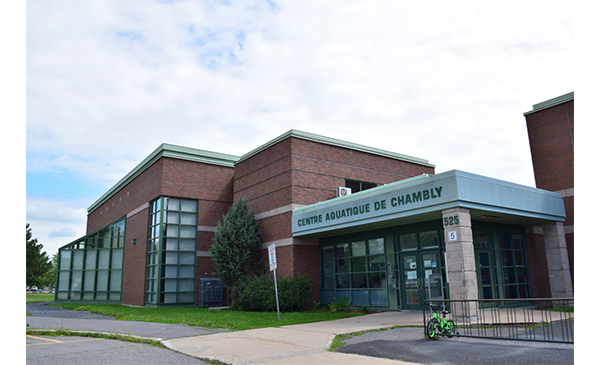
444,324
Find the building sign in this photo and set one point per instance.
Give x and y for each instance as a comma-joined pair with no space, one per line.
358,210
387,199
427,194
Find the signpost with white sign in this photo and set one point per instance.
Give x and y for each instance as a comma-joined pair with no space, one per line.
273,267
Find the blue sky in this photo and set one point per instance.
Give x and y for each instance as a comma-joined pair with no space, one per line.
108,81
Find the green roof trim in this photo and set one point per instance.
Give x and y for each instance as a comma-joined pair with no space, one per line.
172,151
335,142
552,102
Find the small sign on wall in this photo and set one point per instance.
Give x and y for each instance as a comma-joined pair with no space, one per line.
452,236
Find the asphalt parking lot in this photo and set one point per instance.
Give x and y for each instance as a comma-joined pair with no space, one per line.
405,343
66,350
408,344
61,350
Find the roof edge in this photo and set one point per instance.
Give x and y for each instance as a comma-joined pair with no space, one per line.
171,151
334,142
552,102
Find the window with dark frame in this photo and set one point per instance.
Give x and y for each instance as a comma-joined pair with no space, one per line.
357,185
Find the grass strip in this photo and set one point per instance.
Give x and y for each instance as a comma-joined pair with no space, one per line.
109,336
202,317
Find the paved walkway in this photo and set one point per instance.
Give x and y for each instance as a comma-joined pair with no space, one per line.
295,344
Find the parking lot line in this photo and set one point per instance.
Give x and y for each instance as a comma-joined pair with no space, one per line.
57,341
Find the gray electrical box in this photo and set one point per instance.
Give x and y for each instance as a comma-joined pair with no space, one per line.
210,293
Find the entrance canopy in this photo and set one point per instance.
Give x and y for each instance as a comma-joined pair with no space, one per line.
422,198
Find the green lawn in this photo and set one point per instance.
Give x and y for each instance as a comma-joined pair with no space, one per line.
39,297
202,317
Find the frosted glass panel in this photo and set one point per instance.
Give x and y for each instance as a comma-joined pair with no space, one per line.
188,231
172,244
172,231
186,298
187,258
170,285
171,258
103,259
173,204
188,218
63,281
117,259
189,205
173,217
78,260
90,279
90,260
187,245
170,298
65,260
186,285
186,271
170,271
76,280
102,282
115,280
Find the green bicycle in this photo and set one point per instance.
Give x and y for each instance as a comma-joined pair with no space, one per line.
440,326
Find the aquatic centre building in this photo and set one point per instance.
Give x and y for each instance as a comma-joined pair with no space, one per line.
377,226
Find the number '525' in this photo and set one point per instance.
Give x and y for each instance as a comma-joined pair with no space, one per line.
451,221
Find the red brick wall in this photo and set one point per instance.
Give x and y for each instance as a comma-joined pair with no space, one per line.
551,140
134,270
298,171
213,187
141,190
551,134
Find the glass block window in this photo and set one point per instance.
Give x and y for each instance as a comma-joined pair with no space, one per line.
355,269
90,269
171,260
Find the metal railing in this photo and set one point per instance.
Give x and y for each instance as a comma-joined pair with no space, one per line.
535,319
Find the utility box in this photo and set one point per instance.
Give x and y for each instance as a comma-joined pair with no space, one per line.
210,292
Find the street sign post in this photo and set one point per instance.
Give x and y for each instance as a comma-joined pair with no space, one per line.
273,267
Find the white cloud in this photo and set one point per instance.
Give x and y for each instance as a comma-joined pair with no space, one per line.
109,81
55,222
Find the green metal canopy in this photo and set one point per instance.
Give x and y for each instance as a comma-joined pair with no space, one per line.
423,198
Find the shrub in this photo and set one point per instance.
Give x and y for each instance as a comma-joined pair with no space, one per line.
340,305
258,293
293,293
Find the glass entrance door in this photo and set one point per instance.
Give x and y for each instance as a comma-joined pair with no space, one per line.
421,279
485,274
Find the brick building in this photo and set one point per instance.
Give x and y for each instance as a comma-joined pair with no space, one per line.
550,126
358,221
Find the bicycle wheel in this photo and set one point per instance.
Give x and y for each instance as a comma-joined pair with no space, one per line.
450,329
433,330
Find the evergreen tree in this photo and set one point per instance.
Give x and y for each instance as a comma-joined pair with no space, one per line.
37,262
235,244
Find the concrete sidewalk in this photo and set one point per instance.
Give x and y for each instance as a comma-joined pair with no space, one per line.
295,344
